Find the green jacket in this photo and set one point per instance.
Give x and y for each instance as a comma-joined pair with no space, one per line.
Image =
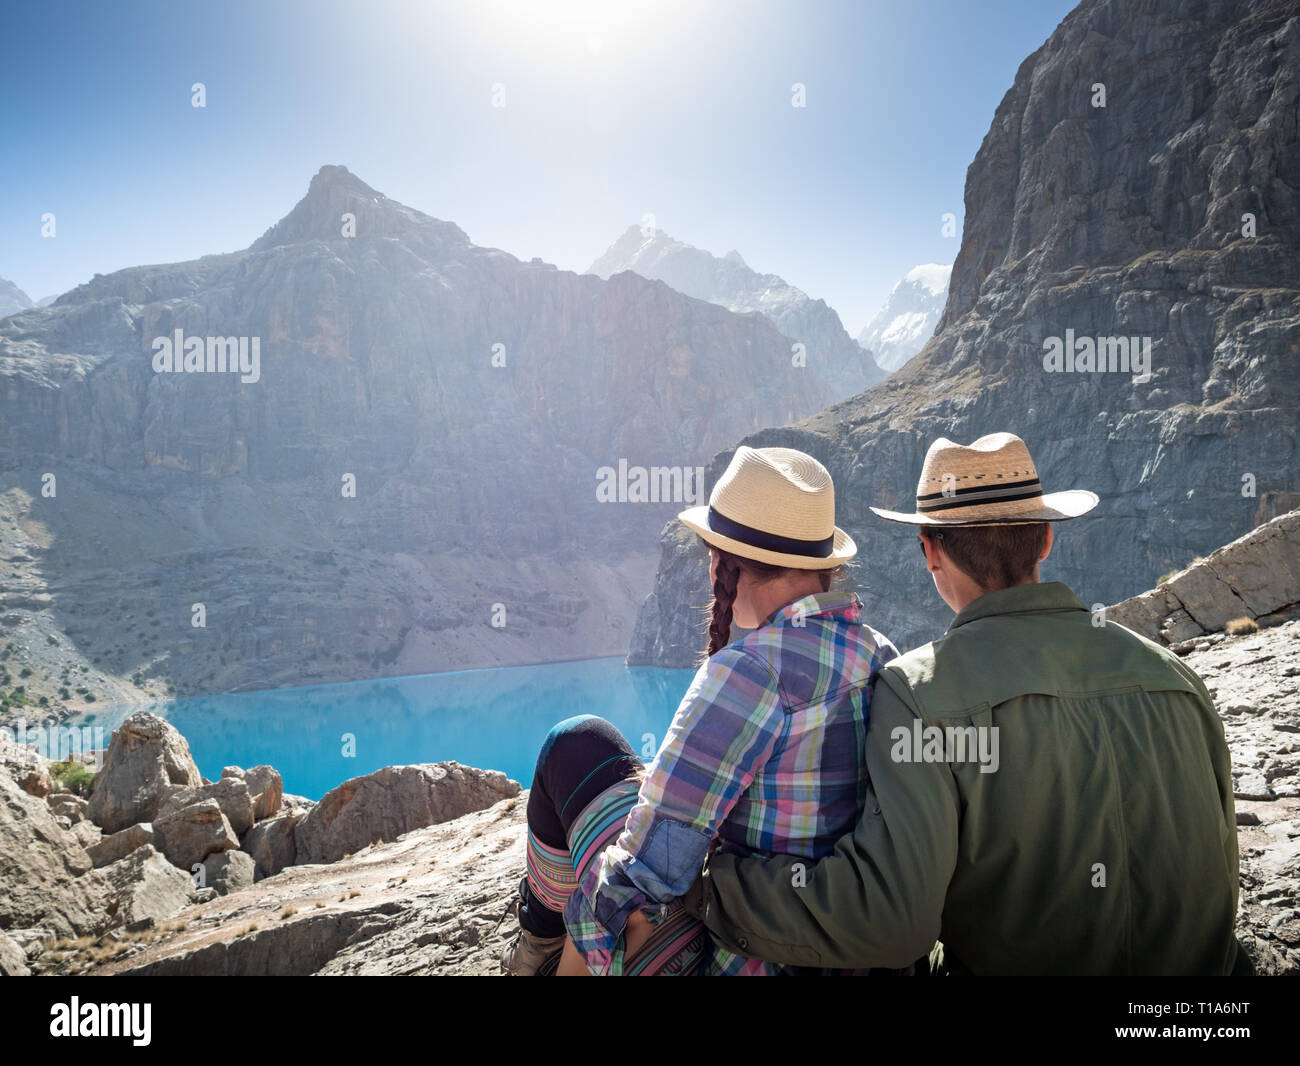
1104,841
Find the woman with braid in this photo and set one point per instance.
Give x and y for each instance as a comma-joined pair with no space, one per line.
764,756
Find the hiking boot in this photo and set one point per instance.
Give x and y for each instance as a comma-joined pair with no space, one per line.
528,953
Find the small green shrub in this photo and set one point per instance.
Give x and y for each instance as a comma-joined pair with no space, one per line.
74,776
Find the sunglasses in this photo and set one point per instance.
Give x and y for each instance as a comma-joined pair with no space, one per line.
937,534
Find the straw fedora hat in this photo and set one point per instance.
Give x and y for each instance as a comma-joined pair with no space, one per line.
991,482
777,506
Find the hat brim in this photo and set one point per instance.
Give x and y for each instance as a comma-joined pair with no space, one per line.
842,549
1051,507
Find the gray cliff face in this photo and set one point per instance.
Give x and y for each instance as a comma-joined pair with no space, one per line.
475,483
1124,221
844,364
672,624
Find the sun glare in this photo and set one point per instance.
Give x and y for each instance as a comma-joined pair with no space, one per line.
559,30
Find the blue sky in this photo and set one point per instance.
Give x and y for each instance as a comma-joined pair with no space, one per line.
613,110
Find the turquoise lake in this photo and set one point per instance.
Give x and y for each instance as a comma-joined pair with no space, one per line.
494,719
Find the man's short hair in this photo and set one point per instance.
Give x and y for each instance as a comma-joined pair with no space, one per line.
994,557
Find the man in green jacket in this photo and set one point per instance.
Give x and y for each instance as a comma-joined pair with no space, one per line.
1048,792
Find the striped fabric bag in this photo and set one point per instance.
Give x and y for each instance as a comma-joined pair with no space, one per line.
677,945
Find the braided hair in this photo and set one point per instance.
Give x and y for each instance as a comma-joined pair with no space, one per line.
724,592
724,598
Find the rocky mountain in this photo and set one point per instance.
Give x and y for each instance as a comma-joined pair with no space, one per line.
729,282
12,298
409,870
1164,223
432,455
906,321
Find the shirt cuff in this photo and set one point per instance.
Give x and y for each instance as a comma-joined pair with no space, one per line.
694,901
594,942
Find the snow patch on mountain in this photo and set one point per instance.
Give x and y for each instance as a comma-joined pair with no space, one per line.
932,276
900,329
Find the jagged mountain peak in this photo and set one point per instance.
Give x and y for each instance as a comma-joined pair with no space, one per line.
634,245
731,283
12,298
331,175
339,205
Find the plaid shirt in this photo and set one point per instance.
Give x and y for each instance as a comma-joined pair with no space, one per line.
765,753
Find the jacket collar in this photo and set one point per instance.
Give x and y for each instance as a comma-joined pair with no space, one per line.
846,606
1021,599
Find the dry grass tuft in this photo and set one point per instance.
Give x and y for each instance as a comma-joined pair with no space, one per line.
1240,627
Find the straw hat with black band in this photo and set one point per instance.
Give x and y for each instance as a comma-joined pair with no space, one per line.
991,482
776,506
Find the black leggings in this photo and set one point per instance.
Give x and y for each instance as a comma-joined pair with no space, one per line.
580,758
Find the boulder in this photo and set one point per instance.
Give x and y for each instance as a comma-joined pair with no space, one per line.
271,844
232,796
232,771
87,834
430,903
28,769
13,960
267,789
190,835
226,871
33,942
1256,576
118,845
168,791
392,801
145,755
66,804
41,869
297,804
143,886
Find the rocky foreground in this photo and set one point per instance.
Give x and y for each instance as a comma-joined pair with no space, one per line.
1255,682
1250,587
113,879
